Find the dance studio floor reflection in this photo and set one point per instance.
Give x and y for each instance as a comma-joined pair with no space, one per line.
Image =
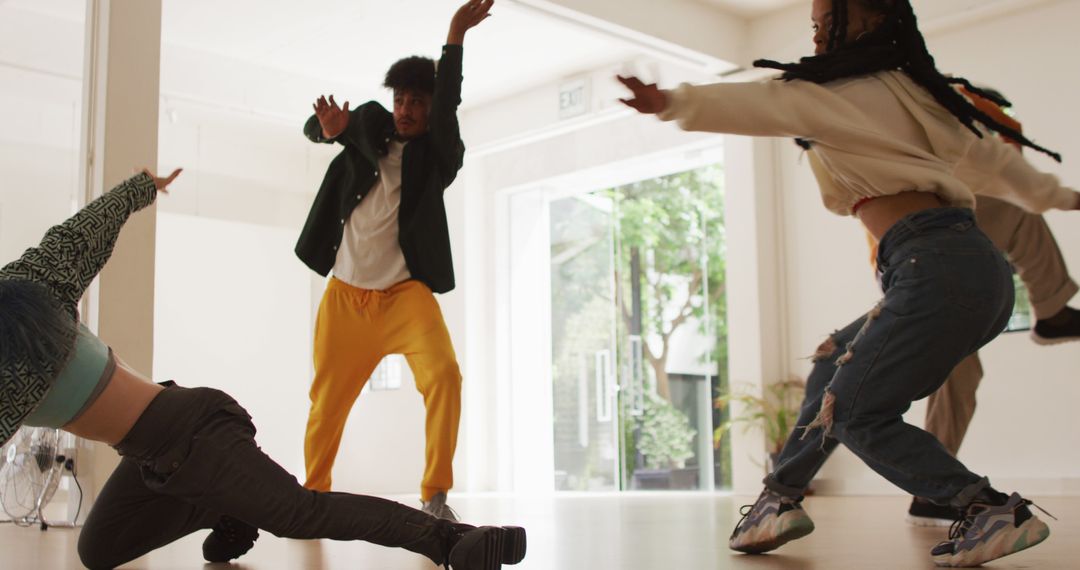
627,532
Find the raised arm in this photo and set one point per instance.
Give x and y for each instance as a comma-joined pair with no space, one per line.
443,121
765,109
466,18
72,253
993,167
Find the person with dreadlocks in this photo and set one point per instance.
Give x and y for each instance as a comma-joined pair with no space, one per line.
1029,244
892,142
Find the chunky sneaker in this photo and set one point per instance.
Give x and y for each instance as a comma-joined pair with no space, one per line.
988,532
1062,327
230,539
486,547
769,523
924,513
438,508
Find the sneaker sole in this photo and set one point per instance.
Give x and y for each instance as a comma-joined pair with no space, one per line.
219,557
488,548
1044,341
796,530
928,522
1030,533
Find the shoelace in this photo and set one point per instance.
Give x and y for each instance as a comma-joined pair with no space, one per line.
442,510
961,525
745,511
445,509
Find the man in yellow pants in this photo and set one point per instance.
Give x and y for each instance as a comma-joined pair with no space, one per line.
379,224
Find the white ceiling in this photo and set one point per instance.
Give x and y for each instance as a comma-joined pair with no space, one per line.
752,8
355,41
352,42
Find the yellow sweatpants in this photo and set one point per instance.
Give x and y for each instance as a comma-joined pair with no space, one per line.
355,329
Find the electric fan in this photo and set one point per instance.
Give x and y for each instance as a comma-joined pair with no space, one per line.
31,465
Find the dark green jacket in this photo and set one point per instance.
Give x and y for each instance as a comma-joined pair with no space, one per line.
429,165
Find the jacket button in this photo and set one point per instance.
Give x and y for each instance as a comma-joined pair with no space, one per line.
359,197
376,173
343,221
334,248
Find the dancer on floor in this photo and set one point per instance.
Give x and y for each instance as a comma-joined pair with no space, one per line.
891,142
379,225
189,457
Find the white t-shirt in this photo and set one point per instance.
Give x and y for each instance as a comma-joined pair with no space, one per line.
370,255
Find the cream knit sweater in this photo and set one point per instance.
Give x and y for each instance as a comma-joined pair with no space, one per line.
873,135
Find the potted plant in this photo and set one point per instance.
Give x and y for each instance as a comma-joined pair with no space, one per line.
665,442
775,413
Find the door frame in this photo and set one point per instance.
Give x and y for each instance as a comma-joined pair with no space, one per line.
526,420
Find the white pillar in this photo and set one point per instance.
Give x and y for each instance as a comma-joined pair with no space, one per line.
757,332
120,133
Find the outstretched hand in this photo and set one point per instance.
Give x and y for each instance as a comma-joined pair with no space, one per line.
332,119
162,183
468,17
647,99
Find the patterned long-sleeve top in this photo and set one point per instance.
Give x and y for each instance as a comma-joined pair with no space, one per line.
66,262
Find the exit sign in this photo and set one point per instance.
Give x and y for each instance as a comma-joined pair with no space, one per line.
573,99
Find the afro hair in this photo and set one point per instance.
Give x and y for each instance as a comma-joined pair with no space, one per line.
414,73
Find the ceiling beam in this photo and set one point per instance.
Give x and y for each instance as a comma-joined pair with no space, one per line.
684,31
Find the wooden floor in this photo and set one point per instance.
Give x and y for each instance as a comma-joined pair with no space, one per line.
624,532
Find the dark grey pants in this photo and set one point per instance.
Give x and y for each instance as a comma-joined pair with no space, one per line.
192,457
948,292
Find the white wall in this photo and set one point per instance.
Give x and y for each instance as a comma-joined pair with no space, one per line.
232,313
1022,426
40,108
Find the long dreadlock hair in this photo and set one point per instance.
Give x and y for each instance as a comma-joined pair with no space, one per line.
896,44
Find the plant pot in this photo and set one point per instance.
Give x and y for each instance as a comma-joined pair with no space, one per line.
665,479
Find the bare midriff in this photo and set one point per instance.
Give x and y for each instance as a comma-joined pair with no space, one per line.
112,415
880,214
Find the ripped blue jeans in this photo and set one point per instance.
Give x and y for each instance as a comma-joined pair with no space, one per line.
948,291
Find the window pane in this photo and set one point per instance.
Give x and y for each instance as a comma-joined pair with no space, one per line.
41,68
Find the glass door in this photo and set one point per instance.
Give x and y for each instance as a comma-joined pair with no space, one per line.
670,301
617,334
583,347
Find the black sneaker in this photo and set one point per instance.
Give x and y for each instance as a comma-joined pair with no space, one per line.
230,539
925,513
1046,334
485,547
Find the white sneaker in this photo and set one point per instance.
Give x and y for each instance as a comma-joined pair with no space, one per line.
438,508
